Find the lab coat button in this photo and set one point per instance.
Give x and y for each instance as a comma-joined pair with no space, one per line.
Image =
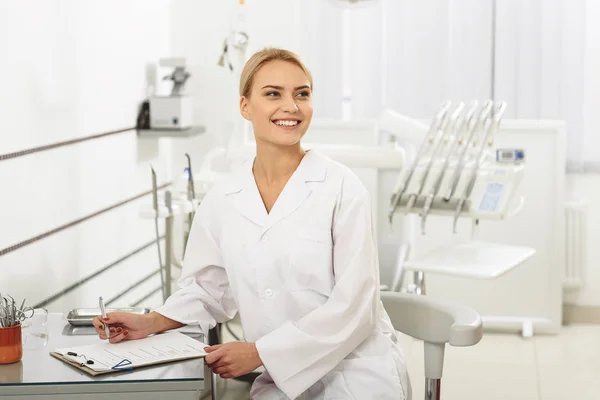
268,292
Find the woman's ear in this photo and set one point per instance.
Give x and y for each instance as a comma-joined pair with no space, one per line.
244,108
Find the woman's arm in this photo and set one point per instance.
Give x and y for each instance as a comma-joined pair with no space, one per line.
300,353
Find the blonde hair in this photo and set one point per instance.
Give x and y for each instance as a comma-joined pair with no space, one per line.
262,57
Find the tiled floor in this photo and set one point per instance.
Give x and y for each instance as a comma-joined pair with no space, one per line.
506,367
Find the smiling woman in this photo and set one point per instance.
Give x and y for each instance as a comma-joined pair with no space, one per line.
286,241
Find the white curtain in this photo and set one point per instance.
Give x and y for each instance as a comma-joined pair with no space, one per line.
411,55
547,63
403,54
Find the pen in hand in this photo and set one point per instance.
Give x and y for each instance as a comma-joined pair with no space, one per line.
103,310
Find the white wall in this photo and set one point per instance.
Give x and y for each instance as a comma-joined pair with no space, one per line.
69,69
587,188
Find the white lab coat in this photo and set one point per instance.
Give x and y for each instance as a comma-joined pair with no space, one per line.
304,279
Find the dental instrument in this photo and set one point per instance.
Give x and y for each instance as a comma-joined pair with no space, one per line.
10,314
155,206
472,137
461,126
191,195
168,244
225,56
425,145
489,140
441,142
438,181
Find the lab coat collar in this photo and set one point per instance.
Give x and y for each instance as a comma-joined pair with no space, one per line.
247,199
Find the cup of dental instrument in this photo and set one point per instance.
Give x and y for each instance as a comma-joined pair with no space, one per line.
11,344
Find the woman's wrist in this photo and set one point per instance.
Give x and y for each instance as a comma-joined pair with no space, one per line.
159,323
257,354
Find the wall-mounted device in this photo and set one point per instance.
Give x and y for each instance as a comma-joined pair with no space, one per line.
175,110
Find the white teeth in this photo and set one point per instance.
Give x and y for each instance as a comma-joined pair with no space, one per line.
286,123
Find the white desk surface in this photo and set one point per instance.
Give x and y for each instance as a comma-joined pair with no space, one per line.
40,373
479,260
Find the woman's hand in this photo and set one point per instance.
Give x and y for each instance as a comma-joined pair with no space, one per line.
124,326
233,359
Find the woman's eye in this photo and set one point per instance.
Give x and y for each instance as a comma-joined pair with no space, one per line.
272,94
303,94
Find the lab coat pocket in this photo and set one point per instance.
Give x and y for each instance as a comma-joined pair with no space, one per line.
366,378
311,265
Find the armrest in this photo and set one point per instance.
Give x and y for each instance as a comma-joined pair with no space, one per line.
433,321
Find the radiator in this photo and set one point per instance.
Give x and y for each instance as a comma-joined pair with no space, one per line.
576,238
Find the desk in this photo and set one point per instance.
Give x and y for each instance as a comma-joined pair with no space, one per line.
40,376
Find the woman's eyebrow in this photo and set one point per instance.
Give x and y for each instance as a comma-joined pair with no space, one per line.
273,87
281,87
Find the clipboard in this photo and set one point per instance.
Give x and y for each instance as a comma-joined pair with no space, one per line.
79,366
131,354
89,371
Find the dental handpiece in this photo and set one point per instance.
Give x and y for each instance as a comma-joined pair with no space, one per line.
436,146
456,124
473,129
191,195
488,138
462,128
496,118
191,191
397,194
169,202
156,231
154,192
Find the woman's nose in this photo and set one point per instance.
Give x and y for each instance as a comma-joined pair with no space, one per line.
290,106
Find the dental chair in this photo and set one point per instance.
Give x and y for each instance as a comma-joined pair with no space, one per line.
436,323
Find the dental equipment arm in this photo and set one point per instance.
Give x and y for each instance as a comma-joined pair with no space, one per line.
452,128
402,127
472,135
429,139
488,139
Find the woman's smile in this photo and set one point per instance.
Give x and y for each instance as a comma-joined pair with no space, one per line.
287,124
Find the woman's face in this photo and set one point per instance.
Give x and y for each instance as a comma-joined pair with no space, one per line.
279,105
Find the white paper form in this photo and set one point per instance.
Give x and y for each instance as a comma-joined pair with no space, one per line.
170,346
